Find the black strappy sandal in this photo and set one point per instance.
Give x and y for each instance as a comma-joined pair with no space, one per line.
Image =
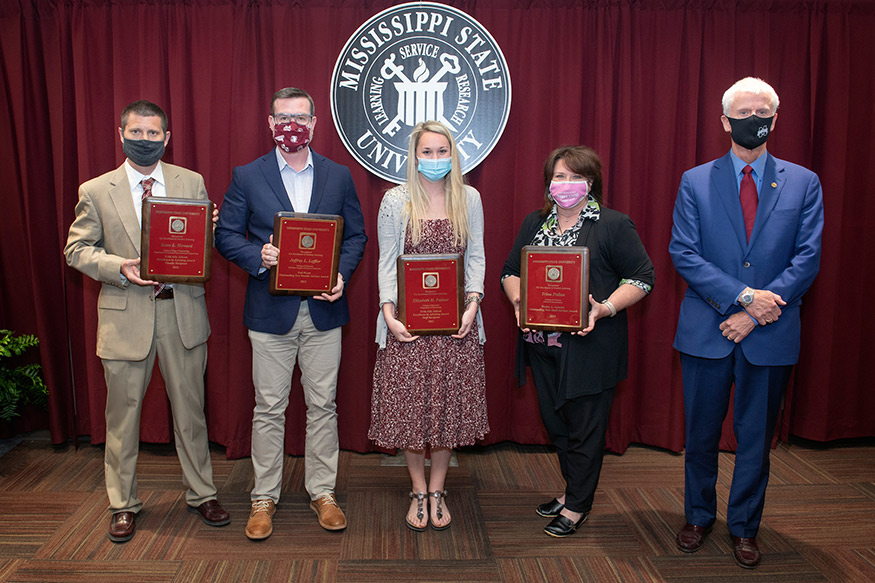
438,496
420,514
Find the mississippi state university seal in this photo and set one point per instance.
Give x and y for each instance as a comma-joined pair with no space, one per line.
417,62
178,225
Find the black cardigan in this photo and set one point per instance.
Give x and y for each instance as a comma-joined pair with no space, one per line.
599,360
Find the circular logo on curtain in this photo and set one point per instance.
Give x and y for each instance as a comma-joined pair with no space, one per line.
417,62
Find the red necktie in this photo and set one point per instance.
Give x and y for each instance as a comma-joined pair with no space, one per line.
147,187
749,199
147,191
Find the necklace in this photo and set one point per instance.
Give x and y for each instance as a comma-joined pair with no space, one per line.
568,220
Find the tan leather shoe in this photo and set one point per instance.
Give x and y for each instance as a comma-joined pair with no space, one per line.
260,523
330,515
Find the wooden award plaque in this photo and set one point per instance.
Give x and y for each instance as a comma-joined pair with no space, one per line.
176,240
554,288
430,293
309,254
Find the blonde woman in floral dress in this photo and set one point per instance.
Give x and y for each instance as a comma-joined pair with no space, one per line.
429,393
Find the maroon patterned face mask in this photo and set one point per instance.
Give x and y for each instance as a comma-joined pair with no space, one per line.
291,137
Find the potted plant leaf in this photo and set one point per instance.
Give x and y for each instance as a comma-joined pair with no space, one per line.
20,384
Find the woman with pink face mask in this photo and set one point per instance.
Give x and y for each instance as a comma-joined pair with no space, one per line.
575,373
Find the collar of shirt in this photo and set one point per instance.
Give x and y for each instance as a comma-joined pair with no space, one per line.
758,165
283,164
134,178
591,210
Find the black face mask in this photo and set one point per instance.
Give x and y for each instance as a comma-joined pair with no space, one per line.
750,132
143,152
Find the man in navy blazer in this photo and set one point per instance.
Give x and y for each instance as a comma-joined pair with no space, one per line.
284,329
746,238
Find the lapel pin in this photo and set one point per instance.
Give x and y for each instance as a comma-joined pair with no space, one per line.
774,185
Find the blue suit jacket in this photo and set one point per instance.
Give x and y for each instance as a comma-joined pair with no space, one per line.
245,224
710,251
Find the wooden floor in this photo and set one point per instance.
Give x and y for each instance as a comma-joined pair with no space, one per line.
819,523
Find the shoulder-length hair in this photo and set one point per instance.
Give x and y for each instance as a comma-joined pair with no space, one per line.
581,160
454,186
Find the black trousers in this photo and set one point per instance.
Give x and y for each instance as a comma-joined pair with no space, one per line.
577,427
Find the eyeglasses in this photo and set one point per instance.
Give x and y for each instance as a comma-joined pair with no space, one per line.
284,118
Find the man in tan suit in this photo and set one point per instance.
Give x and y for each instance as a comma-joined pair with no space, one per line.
137,319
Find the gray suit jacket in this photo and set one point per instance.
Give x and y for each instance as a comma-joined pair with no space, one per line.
104,233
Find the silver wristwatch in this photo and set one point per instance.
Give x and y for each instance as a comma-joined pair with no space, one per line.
746,297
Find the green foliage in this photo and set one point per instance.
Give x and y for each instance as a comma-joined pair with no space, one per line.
19,385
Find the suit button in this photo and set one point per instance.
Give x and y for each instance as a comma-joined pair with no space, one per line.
746,264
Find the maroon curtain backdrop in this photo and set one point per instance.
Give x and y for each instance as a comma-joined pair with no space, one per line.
638,80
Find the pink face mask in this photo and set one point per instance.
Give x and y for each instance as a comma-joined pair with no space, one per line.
568,194
291,137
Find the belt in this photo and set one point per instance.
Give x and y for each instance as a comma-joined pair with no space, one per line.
165,294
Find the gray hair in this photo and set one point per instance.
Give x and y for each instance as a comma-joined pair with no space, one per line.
753,85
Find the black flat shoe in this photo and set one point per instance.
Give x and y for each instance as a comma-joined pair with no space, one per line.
562,526
550,509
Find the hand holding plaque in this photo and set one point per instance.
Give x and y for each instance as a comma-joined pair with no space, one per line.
309,253
430,293
176,239
554,288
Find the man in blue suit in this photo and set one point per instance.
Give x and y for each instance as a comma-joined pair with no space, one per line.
284,329
746,238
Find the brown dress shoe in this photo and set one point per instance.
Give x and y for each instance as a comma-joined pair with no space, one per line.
330,515
691,537
121,527
745,552
260,524
212,513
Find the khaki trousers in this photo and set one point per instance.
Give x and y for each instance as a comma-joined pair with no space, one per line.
273,360
126,382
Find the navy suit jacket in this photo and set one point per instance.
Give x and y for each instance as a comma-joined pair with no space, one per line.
710,251
245,224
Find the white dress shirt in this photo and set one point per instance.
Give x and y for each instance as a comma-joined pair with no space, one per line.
159,187
299,185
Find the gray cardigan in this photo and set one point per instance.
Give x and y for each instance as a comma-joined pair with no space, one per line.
391,228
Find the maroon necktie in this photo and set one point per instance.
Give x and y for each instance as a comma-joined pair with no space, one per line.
147,187
147,191
749,199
